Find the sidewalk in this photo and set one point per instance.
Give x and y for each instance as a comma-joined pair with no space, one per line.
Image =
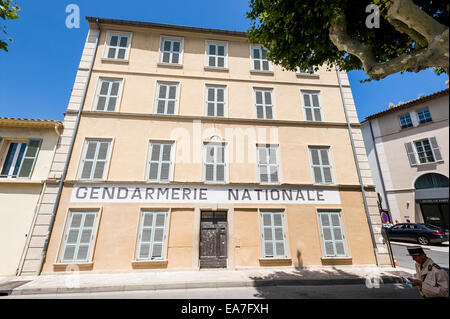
155,280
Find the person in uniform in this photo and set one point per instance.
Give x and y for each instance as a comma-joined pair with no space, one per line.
431,280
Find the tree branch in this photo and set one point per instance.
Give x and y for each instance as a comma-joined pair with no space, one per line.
411,20
413,34
415,18
344,42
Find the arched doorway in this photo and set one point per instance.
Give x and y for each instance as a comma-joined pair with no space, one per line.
432,196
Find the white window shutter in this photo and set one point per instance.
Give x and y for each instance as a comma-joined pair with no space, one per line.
30,157
436,149
411,153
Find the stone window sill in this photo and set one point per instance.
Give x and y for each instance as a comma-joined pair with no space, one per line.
275,261
261,72
217,69
337,260
170,65
142,264
73,266
115,60
307,75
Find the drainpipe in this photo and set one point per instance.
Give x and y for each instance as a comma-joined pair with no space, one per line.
66,165
385,236
357,167
378,166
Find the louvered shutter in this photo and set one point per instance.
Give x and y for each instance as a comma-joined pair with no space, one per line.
79,237
332,236
411,153
166,161
152,236
273,235
436,149
29,159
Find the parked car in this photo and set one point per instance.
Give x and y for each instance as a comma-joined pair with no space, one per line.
420,233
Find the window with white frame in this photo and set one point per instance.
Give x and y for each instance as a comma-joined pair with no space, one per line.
160,163
264,104
167,98
273,235
118,46
171,50
95,159
332,234
308,71
217,55
268,164
424,151
215,100
321,165
152,235
259,59
312,107
79,236
405,121
108,95
20,158
214,162
424,116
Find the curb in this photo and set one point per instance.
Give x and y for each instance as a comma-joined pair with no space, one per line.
206,284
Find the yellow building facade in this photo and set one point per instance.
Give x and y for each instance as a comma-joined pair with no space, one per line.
192,150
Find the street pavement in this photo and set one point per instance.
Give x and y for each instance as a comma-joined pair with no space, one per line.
438,253
384,291
264,281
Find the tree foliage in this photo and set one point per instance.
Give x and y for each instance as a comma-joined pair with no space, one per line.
8,11
411,36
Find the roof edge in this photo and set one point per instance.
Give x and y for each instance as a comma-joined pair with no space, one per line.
411,103
165,26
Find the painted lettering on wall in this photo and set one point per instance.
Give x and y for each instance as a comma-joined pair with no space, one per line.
207,194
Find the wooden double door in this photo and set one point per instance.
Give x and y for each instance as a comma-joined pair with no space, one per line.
213,239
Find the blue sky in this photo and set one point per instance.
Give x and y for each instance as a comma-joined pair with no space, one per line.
38,72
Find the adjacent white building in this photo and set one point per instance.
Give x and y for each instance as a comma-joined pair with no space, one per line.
407,147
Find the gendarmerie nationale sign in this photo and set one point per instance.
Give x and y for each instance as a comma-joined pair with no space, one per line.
203,194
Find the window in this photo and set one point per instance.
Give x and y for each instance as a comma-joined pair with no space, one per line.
79,236
267,164
20,158
431,180
332,234
259,59
264,106
95,159
405,121
217,55
214,167
167,98
152,235
171,51
321,165
312,106
160,161
424,116
215,101
273,236
118,46
308,71
108,95
426,150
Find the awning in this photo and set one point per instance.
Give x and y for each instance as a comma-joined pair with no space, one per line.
432,195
